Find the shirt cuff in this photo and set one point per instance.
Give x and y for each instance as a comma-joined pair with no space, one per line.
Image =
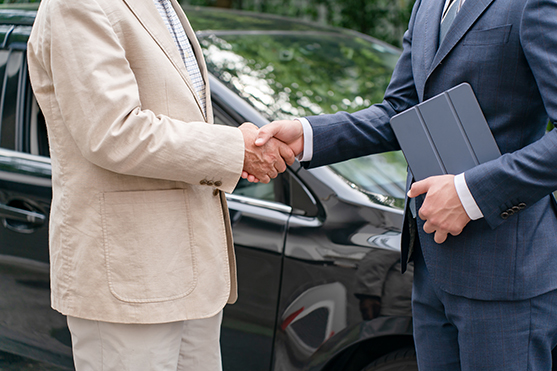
307,153
466,198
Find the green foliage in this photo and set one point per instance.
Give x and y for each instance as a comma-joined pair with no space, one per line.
384,19
18,1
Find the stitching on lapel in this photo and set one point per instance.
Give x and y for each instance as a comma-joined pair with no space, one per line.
164,41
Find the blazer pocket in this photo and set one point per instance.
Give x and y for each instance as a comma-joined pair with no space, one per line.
147,245
491,36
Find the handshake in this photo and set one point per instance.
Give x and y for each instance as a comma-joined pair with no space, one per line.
268,150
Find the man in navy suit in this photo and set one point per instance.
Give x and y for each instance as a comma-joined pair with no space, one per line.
484,295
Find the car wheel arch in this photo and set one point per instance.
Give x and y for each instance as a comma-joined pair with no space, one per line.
359,354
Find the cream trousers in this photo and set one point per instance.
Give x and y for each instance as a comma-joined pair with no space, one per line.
191,345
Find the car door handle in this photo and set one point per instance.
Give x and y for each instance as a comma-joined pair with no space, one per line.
21,215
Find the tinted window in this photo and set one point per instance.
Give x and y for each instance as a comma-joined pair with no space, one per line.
291,74
10,72
271,191
286,74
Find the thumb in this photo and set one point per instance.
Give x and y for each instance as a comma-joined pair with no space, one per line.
419,188
266,133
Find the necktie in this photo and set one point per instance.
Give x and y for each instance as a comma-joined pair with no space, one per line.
179,36
448,19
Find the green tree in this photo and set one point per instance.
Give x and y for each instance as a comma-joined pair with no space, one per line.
384,19
18,1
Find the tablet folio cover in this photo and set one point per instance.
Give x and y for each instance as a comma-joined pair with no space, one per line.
446,134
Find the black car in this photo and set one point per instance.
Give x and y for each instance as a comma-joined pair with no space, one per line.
318,250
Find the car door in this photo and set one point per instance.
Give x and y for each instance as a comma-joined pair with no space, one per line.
259,217
31,333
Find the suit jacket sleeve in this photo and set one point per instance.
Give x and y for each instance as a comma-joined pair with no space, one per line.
529,174
77,62
342,135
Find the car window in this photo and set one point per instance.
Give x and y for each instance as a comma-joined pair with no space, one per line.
11,63
301,199
291,74
382,176
271,191
36,126
261,191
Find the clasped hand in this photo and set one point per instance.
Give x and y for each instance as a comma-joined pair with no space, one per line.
442,210
266,152
281,141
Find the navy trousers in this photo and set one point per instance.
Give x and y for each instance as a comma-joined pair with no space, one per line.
456,333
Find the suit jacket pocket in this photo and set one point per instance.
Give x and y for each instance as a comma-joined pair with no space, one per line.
147,245
491,36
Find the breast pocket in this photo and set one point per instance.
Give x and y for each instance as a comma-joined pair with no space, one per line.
492,36
148,246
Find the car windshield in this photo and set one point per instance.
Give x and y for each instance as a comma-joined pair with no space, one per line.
291,74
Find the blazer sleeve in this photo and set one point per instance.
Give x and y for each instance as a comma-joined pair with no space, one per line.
341,136
529,174
79,70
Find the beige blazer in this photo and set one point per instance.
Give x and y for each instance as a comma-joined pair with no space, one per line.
139,227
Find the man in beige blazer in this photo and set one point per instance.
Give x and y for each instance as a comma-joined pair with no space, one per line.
141,251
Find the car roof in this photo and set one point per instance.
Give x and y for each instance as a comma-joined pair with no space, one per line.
18,14
218,19
202,19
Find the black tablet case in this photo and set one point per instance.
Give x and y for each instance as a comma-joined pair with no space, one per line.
446,134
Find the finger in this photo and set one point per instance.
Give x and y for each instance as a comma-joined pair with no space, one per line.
456,231
419,188
287,154
280,166
249,125
440,237
273,173
421,214
249,177
265,133
428,228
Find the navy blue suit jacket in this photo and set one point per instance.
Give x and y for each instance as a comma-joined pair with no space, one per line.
507,51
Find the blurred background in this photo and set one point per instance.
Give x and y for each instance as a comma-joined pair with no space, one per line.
384,19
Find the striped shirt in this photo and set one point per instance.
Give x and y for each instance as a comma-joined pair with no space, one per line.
179,36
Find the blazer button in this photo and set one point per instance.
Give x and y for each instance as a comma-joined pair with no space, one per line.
218,183
215,192
516,209
510,212
522,206
203,182
504,215
209,182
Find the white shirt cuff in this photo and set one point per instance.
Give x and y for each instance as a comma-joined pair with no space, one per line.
307,153
466,198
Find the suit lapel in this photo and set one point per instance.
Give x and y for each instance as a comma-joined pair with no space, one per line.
147,14
432,17
471,10
198,54
425,40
